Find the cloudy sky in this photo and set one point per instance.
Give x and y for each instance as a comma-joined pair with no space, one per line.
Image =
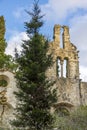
72,13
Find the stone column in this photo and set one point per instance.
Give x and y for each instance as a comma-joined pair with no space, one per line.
61,63
66,37
57,35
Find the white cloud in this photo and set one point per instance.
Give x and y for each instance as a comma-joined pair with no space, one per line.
58,9
83,74
79,38
78,32
15,41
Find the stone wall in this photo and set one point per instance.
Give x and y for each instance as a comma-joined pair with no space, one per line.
84,93
7,98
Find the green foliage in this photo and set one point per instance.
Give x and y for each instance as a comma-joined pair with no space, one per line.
6,61
3,83
36,22
61,111
77,120
2,33
35,93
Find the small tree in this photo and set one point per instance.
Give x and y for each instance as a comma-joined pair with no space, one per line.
35,93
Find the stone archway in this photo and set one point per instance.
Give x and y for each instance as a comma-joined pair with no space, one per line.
63,108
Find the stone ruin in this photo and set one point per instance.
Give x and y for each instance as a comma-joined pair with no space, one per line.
71,91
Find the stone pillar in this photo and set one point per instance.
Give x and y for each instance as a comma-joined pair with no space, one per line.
66,37
57,35
61,63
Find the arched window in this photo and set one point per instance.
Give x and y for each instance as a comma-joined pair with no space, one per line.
62,67
61,38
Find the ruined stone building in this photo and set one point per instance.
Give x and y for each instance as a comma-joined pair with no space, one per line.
71,91
65,70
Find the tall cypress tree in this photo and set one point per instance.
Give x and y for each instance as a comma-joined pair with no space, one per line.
2,33
2,43
5,60
35,93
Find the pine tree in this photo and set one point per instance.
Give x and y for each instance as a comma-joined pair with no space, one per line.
35,93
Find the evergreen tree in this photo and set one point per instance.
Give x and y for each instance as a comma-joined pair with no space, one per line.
2,33
35,93
5,60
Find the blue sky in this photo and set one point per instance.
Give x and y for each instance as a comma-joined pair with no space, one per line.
72,13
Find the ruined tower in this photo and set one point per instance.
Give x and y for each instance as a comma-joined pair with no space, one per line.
68,53
65,69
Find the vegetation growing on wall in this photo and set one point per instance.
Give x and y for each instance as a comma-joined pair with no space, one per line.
3,83
77,120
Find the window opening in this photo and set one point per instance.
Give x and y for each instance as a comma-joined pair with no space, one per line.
61,38
58,67
64,68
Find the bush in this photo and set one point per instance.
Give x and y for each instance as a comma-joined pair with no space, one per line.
77,120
